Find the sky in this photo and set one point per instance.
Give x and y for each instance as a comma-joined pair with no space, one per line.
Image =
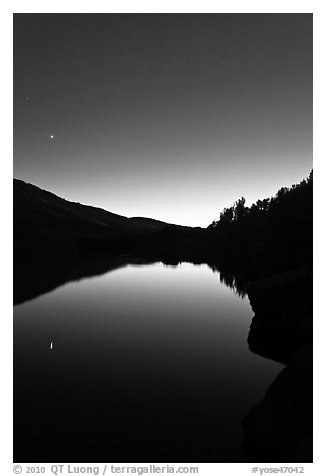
170,116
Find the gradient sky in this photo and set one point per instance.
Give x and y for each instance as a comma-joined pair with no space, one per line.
171,116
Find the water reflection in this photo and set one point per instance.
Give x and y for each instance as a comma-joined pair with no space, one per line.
236,282
151,364
41,276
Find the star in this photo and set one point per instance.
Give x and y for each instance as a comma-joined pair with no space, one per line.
51,136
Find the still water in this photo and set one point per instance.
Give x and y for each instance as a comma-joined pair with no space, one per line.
142,364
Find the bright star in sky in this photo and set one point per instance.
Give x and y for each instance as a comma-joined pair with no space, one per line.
51,136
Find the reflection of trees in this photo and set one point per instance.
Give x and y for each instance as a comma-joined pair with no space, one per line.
236,282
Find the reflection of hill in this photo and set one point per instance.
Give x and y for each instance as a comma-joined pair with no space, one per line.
273,236
56,241
41,276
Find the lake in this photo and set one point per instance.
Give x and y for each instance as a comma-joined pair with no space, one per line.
146,363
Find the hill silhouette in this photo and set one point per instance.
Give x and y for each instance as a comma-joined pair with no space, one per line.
39,208
264,251
272,236
45,223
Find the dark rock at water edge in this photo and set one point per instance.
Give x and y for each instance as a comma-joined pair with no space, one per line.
279,429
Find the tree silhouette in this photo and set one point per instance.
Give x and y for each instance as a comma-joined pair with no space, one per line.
238,211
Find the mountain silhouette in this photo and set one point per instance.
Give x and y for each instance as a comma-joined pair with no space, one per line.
272,236
49,225
264,251
37,208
